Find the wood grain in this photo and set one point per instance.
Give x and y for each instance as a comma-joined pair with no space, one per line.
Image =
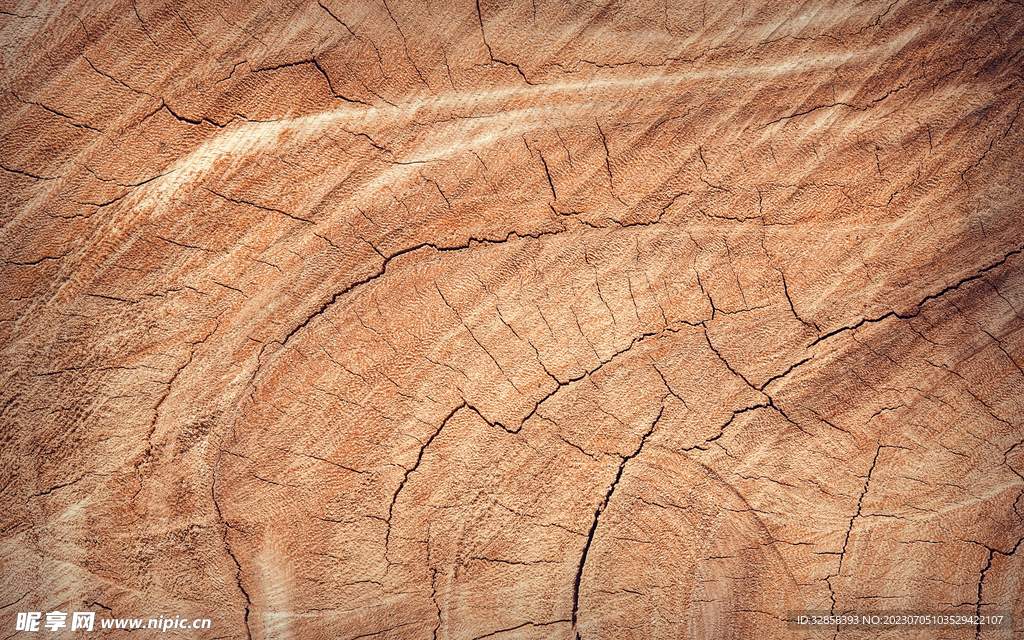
383,319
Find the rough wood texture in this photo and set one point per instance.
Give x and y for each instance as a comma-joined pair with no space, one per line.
513,319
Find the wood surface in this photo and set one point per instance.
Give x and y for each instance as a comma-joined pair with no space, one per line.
519,319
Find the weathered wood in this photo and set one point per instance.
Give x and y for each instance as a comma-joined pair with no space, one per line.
511,320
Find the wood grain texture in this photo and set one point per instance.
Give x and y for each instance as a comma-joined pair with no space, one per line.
518,319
